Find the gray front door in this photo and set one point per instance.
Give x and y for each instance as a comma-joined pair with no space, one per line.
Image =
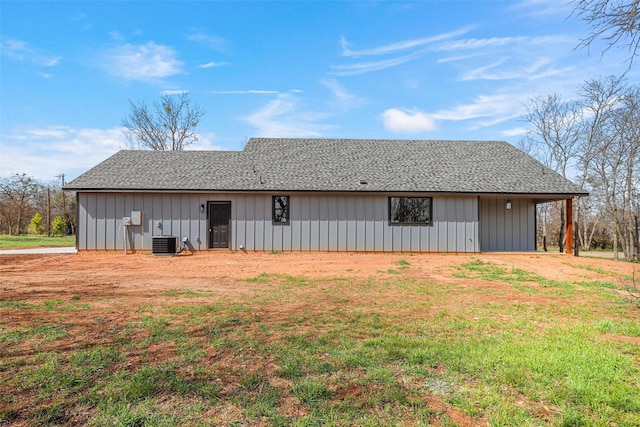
219,224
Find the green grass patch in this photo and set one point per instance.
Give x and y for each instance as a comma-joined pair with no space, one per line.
519,278
28,241
187,293
41,333
302,351
61,305
16,304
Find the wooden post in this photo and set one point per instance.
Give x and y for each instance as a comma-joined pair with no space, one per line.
569,225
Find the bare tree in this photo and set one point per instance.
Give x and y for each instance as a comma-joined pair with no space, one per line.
17,197
616,22
556,135
611,153
171,125
598,100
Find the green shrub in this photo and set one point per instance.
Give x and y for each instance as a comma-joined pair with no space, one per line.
35,227
58,226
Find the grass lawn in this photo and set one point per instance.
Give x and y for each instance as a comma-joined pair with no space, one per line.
393,349
28,241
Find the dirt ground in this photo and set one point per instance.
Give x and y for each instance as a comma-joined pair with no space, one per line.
135,279
40,277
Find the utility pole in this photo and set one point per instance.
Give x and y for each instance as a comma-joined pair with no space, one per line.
64,202
48,211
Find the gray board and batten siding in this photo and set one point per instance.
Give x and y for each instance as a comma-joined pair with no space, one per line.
339,193
319,222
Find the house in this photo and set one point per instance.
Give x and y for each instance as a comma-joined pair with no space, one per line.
320,195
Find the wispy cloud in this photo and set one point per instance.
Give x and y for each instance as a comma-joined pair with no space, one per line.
517,131
209,40
115,35
402,45
407,121
542,9
366,67
145,62
410,50
244,92
458,58
213,64
342,98
527,59
81,18
485,111
174,92
494,106
498,42
21,51
489,72
283,117
474,44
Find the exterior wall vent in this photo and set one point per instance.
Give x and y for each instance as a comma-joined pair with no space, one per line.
164,245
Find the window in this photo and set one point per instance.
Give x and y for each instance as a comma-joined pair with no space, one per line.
410,210
281,209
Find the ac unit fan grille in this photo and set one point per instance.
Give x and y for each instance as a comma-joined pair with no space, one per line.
164,245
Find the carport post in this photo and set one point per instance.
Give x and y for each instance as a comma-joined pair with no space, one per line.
569,230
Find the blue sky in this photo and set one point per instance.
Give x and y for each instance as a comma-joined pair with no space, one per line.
334,69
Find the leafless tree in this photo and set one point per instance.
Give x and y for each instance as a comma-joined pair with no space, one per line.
17,202
611,155
555,134
620,171
598,100
616,22
170,125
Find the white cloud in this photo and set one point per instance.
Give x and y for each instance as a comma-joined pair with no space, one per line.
283,117
474,44
213,64
458,58
174,92
407,121
366,67
500,105
68,150
205,142
52,132
518,131
22,51
510,58
115,35
542,9
244,92
144,62
343,99
400,46
209,40
416,48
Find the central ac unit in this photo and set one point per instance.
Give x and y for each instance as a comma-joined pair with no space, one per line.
164,245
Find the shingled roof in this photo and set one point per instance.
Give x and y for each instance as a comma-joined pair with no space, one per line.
340,165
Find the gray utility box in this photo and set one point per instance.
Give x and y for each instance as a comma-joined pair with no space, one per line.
136,218
164,245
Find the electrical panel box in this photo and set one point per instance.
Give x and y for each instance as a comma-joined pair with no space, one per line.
136,218
126,220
